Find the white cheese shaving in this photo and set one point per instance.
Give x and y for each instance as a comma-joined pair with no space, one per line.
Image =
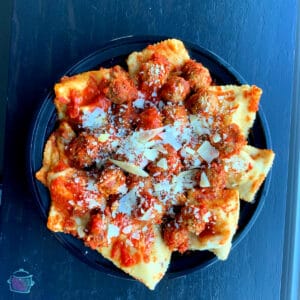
184,181
139,103
92,203
112,231
208,152
190,150
158,207
216,138
146,216
123,189
199,125
128,202
91,186
204,182
151,154
130,168
206,217
162,163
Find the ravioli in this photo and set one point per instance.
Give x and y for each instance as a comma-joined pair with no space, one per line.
217,236
152,160
248,170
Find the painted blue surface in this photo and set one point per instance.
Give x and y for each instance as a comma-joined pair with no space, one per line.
256,37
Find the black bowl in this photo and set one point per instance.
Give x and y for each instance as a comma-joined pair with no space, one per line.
116,52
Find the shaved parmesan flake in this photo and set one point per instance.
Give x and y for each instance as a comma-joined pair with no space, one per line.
146,216
206,217
103,137
199,125
208,152
190,150
151,154
184,181
162,163
147,135
139,103
128,202
123,189
130,168
160,148
163,186
216,138
158,207
92,203
204,182
112,231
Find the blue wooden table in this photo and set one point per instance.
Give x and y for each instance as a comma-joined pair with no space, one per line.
258,38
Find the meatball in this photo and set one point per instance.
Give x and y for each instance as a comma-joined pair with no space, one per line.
121,88
191,217
216,176
176,237
83,150
231,141
148,208
150,118
173,113
196,74
111,181
175,89
138,181
200,103
124,116
153,74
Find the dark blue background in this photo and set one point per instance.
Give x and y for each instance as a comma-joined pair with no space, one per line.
256,37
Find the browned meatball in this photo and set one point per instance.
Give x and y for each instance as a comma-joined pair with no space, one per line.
83,150
202,103
124,116
153,74
135,180
121,87
176,237
216,176
173,113
197,75
175,89
149,118
192,218
111,180
231,141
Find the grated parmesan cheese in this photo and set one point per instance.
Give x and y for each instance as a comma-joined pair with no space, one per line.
94,119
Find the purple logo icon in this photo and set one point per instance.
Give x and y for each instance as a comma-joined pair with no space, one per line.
20,282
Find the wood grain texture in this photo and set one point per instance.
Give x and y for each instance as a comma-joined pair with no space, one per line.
255,37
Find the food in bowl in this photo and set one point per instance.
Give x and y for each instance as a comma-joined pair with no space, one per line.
152,160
